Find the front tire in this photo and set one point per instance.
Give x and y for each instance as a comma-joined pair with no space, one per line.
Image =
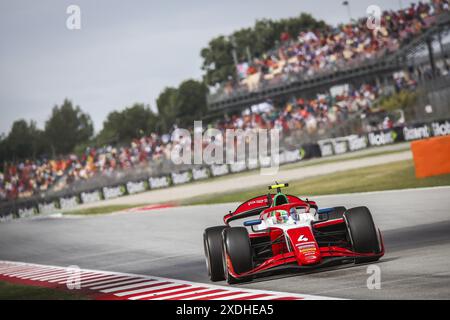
362,233
236,245
212,243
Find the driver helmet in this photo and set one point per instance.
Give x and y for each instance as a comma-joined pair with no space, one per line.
280,216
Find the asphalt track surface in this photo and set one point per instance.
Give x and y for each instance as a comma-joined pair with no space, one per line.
168,243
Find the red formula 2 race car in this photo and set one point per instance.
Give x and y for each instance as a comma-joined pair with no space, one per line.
289,233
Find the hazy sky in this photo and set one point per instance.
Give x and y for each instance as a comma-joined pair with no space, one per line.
126,51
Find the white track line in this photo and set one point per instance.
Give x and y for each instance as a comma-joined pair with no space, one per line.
382,192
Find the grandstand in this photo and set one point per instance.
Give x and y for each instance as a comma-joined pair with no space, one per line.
351,53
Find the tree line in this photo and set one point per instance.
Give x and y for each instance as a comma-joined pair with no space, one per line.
70,129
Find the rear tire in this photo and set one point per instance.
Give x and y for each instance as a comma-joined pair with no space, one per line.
236,244
362,233
212,243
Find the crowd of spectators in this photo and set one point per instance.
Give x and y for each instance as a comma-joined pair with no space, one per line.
310,115
23,179
315,51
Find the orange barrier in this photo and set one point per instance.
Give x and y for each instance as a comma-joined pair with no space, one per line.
431,156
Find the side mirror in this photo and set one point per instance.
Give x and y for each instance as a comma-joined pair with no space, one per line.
251,223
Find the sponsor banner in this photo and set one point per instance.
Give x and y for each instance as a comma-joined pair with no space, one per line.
88,197
26,212
68,203
159,182
113,192
385,137
45,207
340,145
199,174
440,128
7,212
416,132
7,217
326,147
356,142
290,156
238,166
180,178
265,162
310,150
136,187
219,170
252,164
